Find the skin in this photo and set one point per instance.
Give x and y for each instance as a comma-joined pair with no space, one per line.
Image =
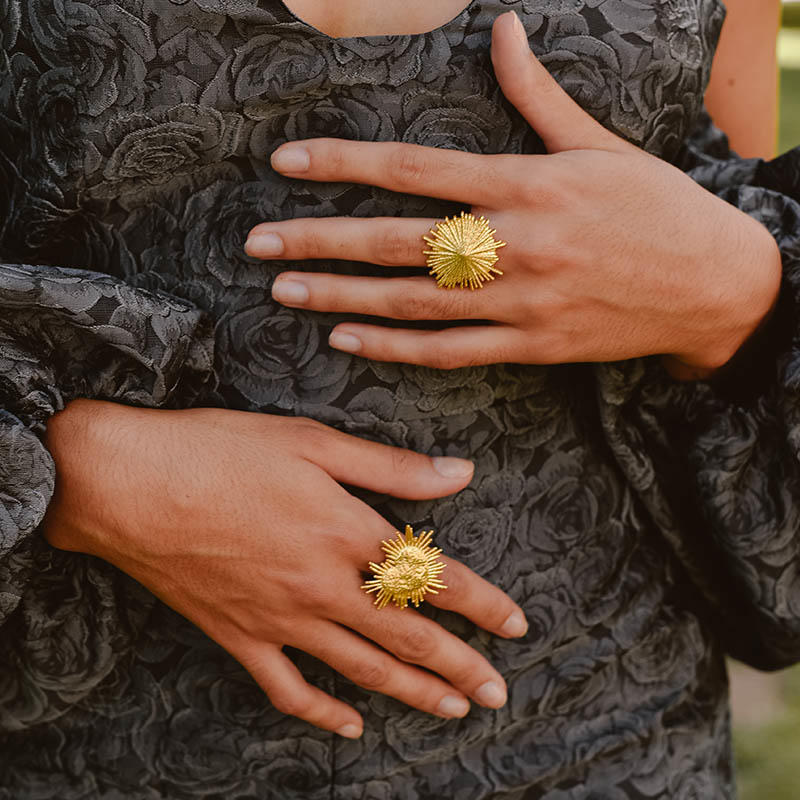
224,540
743,90
359,18
601,237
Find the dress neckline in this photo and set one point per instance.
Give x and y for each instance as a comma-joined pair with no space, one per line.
456,20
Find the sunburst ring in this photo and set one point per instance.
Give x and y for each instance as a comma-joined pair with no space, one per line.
410,570
463,252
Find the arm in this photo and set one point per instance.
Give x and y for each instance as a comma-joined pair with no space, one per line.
724,455
738,92
745,89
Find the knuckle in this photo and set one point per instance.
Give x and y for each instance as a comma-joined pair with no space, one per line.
394,249
403,461
291,703
409,306
306,426
445,305
310,435
554,347
313,245
331,153
443,358
414,644
371,675
408,166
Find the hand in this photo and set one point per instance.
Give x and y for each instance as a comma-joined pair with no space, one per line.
236,521
612,253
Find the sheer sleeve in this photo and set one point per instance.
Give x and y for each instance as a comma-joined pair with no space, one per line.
717,463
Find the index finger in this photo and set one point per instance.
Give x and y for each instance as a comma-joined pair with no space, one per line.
470,178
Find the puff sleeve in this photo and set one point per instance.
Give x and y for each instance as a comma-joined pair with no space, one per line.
68,327
67,333
716,463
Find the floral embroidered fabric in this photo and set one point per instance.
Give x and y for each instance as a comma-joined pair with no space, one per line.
646,527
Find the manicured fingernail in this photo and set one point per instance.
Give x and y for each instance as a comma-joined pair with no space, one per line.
345,341
349,731
491,694
264,244
290,292
452,706
449,467
515,625
291,159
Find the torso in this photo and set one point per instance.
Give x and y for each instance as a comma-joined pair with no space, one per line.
172,109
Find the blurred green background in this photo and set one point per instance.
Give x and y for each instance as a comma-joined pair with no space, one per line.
766,707
789,58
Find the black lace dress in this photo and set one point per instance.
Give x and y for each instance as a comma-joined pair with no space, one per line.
645,526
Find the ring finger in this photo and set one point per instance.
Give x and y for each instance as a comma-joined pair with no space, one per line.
372,668
416,639
393,298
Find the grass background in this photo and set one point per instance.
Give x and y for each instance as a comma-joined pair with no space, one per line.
766,708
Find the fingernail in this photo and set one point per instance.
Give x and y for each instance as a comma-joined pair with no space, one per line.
491,694
264,244
452,706
519,28
449,467
345,341
291,292
349,731
291,159
515,625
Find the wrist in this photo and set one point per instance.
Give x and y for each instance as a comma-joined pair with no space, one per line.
739,313
79,439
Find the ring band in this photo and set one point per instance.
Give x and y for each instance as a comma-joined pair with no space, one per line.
410,569
463,252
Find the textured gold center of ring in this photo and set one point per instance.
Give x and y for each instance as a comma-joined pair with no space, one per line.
463,252
411,568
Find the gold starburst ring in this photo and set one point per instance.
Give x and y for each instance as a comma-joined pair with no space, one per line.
463,252
410,569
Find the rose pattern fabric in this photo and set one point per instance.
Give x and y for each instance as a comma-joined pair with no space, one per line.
647,527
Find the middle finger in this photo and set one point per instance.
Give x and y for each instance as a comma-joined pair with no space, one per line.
388,241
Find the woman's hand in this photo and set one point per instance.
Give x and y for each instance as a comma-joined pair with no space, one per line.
612,253
237,521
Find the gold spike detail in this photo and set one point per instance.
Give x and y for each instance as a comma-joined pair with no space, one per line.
463,252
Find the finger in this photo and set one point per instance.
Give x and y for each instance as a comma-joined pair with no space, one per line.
388,241
396,298
419,640
373,668
379,467
291,694
560,122
465,346
470,178
475,598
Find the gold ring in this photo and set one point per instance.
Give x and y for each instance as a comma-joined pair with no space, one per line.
410,569
463,252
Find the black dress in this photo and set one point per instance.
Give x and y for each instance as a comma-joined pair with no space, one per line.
646,527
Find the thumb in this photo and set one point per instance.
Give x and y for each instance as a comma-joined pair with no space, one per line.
560,122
